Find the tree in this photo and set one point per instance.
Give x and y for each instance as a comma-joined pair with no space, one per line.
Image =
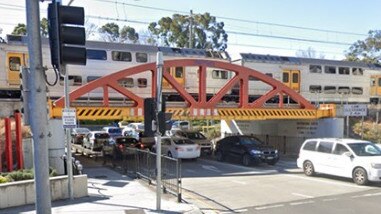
207,33
90,29
309,53
20,29
44,27
367,50
112,33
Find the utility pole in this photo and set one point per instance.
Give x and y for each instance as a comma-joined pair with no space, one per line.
191,29
159,80
39,123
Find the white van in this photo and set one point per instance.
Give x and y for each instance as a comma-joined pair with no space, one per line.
356,159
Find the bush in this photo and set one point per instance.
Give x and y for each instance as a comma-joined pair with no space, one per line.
4,179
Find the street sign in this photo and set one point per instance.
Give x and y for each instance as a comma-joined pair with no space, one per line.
355,110
69,118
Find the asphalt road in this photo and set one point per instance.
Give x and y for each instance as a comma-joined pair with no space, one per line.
218,187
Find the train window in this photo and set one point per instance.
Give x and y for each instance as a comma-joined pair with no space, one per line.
379,81
357,71
344,70
329,89
179,72
343,90
14,63
315,68
126,82
141,57
373,82
269,74
121,56
285,77
219,74
142,82
96,54
315,88
330,69
92,78
295,78
357,90
73,80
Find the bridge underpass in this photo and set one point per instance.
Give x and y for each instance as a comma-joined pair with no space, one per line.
193,109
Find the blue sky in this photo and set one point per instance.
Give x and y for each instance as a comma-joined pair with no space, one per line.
267,19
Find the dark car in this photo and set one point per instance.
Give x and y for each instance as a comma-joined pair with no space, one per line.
247,149
120,144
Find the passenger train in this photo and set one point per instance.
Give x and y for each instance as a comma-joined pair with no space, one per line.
318,80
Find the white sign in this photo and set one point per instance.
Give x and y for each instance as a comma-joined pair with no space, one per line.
355,110
69,118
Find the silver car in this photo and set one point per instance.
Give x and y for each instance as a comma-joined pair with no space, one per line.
197,137
95,140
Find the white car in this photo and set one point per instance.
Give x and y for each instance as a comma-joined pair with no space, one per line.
356,159
133,130
181,148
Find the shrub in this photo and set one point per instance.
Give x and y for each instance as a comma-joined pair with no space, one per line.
3,179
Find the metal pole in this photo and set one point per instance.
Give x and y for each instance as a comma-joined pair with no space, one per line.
347,124
191,29
377,118
362,127
159,70
39,123
68,136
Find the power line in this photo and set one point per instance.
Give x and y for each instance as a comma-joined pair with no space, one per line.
239,20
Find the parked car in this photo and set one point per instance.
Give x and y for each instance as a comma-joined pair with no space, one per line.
356,159
197,137
183,125
95,140
179,148
113,131
133,130
78,134
119,146
247,149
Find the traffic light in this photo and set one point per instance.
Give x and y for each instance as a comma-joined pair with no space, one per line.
149,116
164,118
67,35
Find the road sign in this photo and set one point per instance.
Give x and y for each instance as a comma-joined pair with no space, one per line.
355,110
69,118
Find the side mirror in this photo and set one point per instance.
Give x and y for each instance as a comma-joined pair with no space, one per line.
348,154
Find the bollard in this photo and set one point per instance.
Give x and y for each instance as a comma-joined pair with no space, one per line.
8,145
19,150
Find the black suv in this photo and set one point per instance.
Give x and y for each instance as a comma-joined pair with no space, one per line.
248,149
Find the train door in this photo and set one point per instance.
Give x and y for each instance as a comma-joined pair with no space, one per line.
375,85
176,72
13,66
291,78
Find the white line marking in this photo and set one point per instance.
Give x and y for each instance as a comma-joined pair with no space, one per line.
239,182
330,199
302,202
367,195
301,195
241,210
211,168
269,207
328,182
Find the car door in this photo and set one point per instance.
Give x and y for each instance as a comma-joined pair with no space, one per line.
237,149
165,146
324,157
341,164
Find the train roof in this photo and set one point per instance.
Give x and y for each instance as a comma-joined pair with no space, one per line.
249,57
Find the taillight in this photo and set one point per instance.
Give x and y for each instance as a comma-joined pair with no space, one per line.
179,149
121,146
198,147
141,146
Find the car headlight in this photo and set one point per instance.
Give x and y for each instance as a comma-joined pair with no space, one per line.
276,151
255,152
376,165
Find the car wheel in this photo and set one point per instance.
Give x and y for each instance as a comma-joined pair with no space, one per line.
169,154
308,168
360,177
219,155
246,160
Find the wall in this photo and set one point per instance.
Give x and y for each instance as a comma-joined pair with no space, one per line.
23,192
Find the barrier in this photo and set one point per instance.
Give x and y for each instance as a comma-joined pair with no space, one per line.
8,151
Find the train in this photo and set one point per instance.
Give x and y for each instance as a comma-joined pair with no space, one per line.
318,80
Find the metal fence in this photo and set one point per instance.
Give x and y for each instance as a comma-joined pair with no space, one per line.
142,164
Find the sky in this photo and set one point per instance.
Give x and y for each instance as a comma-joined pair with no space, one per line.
276,27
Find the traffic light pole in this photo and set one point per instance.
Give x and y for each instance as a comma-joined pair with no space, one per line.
39,122
159,80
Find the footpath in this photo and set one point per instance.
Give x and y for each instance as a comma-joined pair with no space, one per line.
111,192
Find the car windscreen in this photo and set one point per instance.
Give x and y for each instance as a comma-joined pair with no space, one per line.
250,141
195,136
365,149
141,127
115,131
102,135
81,130
183,141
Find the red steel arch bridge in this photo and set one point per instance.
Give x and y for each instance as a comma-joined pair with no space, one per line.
201,108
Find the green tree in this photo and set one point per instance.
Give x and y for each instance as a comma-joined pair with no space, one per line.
112,33
367,50
207,33
20,29
44,27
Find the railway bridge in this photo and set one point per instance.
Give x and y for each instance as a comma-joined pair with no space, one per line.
201,108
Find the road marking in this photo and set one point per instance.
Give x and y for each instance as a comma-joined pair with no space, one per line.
211,168
367,195
241,210
239,182
301,203
330,199
301,195
328,182
269,207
